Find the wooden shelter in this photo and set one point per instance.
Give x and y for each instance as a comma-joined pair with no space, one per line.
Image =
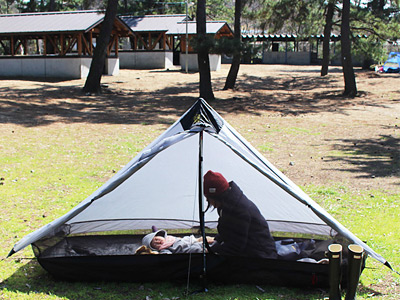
150,31
54,35
293,49
165,37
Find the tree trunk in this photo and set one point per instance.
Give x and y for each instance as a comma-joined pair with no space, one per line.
31,6
203,60
49,46
327,38
237,56
52,5
126,7
350,88
92,84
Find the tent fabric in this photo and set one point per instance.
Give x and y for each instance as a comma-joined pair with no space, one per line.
160,187
392,64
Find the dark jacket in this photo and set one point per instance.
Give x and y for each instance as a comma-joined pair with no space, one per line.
242,230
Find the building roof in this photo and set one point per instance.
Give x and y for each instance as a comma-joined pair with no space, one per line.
212,27
83,21
49,22
171,24
290,37
153,22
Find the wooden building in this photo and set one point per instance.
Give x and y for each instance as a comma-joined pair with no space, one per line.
55,44
159,41
296,50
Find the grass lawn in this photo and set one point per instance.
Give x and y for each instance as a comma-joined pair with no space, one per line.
48,168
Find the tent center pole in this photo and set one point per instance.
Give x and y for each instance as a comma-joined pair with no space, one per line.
201,209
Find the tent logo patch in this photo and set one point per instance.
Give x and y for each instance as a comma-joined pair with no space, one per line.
196,118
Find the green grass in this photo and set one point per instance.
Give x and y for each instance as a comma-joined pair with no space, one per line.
49,170
373,216
266,147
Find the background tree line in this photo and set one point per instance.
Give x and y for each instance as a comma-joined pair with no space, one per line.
378,19
216,9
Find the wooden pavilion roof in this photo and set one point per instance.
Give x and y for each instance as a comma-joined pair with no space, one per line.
56,22
290,37
172,25
150,30
60,32
158,23
212,27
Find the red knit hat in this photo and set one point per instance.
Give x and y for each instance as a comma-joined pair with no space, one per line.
214,184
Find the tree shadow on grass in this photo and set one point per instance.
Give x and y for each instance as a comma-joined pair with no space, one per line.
51,102
297,95
370,157
47,105
368,291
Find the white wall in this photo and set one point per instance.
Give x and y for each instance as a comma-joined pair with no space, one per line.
85,67
145,59
32,67
215,62
112,66
52,67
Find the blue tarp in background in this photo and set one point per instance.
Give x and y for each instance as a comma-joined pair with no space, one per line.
392,64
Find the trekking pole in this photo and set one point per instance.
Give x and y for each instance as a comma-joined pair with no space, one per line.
335,274
201,211
356,255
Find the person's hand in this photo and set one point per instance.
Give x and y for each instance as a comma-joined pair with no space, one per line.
210,239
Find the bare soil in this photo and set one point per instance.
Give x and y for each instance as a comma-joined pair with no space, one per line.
299,120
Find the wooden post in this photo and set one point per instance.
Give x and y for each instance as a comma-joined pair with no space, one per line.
25,46
91,43
135,43
12,46
116,44
62,46
85,45
109,46
44,45
164,44
79,43
37,46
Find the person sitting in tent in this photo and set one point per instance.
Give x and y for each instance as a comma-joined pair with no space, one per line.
242,230
167,244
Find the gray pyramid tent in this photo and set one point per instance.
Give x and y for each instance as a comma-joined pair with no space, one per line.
162,186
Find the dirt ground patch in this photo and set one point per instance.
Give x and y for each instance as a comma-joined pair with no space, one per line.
297,119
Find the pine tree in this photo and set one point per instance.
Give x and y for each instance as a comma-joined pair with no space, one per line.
203,60
92,84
